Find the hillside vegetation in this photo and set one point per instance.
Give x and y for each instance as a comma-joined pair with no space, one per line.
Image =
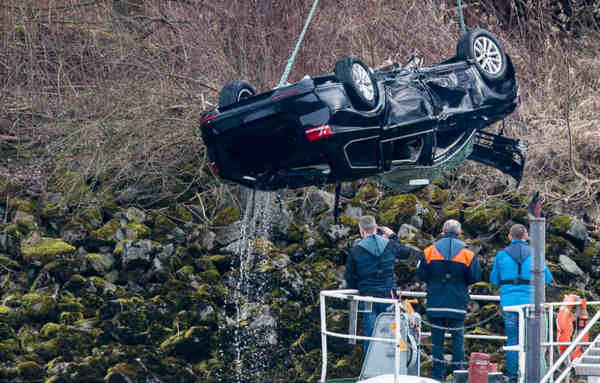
119,249
112,90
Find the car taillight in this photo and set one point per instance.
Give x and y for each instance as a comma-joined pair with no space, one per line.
213,167
319,132
207,119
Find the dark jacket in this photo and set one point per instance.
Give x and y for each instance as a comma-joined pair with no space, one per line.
449,268
370,265
514,287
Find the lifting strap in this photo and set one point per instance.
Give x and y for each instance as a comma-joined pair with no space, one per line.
290,62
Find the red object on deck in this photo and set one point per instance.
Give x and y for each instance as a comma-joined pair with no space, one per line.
479,367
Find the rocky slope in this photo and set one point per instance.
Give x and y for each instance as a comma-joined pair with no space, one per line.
114,293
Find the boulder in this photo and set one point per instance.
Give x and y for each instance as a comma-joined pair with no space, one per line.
569,266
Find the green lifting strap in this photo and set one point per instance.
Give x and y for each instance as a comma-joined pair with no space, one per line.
290,62
462,18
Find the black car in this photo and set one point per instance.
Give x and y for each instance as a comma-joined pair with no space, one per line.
404,124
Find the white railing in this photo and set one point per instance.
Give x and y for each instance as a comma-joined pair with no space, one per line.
352,295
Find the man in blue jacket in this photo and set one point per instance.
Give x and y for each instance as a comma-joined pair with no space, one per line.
370,266
448,267
511,270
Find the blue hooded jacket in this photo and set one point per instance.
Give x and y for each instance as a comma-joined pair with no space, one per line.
370,265
506,268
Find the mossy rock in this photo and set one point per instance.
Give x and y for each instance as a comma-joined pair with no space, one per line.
25,221
93,216
101,263
434,194
109,233
195,343
130,327
8,188
560,224
366,193
135,230
38,307
49,330
182,214
297,232
163,225
227,216
54,211
9,349
395,210
483,218
69,318
45,250
30,370
71,185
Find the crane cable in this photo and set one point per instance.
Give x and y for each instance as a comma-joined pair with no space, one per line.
461,17
290,62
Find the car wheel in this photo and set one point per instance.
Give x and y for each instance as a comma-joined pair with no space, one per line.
484,49
235,91
358,81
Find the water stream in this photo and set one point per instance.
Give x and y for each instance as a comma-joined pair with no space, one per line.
252,325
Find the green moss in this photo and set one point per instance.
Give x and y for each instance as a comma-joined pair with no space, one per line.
162,226
181,213
49,330
46,250
297,232
71,185
68,318
195,342
480,217
395,209
4,310
93,216
54,210
125,369
227,216
367,192
23,205
348,221
560,224
108,232
39,306
137,231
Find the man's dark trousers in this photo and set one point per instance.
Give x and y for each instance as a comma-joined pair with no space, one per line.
458,345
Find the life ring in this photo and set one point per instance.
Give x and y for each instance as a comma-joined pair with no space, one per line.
569,322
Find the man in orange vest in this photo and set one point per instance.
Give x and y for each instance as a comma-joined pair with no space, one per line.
448,267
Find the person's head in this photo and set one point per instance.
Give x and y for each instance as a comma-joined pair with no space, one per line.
518,232
452,226
367,225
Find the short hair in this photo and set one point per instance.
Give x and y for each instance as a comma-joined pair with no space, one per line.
367,223
452,226
518,231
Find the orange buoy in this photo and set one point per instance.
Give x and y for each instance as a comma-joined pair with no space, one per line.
569,322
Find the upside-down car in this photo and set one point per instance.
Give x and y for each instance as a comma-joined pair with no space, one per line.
404,124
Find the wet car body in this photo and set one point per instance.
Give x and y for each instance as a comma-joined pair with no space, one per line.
421,121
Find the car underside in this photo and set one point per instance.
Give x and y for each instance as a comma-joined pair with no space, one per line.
403,125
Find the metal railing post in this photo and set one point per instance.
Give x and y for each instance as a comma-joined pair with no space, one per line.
537,230
323,337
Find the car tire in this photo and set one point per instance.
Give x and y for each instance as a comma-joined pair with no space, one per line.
235,91
486,52
358,81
